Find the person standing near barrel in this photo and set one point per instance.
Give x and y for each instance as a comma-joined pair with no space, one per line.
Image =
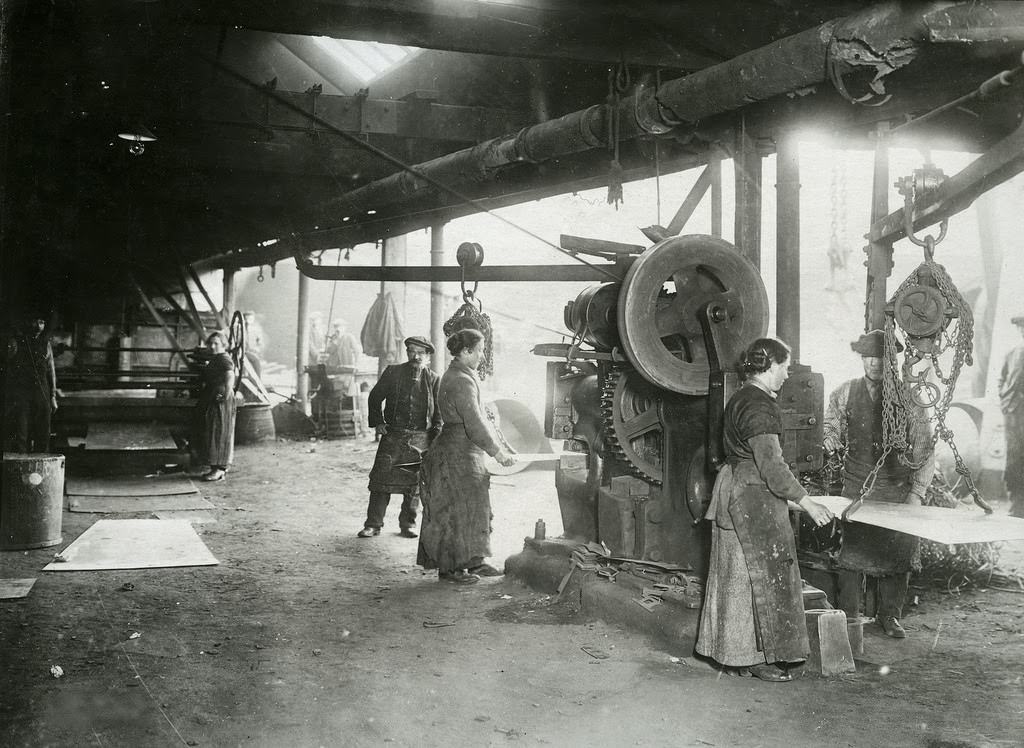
215,410
30,387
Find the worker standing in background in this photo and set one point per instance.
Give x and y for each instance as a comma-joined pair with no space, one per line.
343,348
317,340
409,420
1011,402
255,342
30,387
853,428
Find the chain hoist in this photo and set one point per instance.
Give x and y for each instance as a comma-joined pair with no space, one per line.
471,314
935,319
838,251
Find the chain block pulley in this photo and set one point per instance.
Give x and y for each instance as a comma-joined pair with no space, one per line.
471,314
935,319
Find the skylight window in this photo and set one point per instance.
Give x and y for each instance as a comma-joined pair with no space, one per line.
366,60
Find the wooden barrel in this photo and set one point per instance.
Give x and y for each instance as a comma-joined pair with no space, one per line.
254,422
31,501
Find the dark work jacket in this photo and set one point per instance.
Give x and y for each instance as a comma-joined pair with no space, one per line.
873,550
864,445
387,392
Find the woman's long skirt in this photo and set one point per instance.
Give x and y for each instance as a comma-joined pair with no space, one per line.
753,605
217,432
455,489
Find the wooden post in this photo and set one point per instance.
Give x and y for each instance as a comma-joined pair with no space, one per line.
302,345
228,292
747,167
437,337
879,255
394,252
715,167
787,241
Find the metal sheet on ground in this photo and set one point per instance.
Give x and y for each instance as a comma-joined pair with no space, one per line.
949,526
199,518
159,485
128,504
132,436
134,544
12,589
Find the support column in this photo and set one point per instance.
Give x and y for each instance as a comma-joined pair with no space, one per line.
302,345
228,292
437,299
747,166
879,262
394,251
715,170
787,241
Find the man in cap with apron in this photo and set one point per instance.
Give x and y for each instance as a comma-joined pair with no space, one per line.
408,421
853,426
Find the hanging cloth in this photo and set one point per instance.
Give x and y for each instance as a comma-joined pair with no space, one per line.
382,335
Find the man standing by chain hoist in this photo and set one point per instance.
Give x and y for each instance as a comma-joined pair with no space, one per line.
853,428
1011,401
31,387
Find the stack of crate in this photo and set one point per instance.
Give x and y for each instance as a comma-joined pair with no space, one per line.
342,418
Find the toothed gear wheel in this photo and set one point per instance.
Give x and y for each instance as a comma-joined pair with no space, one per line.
634,431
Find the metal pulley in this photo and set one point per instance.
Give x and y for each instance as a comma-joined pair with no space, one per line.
471,314
660,302
469,255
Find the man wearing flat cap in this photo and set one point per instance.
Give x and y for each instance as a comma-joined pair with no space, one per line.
1011,402
853,428
403,410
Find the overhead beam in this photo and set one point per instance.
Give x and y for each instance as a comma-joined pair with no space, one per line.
570,32
792,64
537,185
419,118
454,274
999,164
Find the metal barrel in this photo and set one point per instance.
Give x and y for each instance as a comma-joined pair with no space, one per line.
31,501
254,422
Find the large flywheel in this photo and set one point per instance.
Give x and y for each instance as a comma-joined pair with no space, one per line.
660,303
635,431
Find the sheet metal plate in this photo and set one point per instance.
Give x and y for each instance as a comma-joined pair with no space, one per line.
949,526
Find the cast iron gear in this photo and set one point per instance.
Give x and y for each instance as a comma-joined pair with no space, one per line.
634,425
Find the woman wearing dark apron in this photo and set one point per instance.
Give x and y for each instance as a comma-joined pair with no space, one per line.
216,409
753,616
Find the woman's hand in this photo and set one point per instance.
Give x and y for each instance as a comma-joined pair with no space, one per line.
818,513
505,458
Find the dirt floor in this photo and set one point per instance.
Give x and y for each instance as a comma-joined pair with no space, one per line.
305,635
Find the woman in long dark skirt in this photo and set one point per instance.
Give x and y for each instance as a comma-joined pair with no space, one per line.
215,409
753,616
455,534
